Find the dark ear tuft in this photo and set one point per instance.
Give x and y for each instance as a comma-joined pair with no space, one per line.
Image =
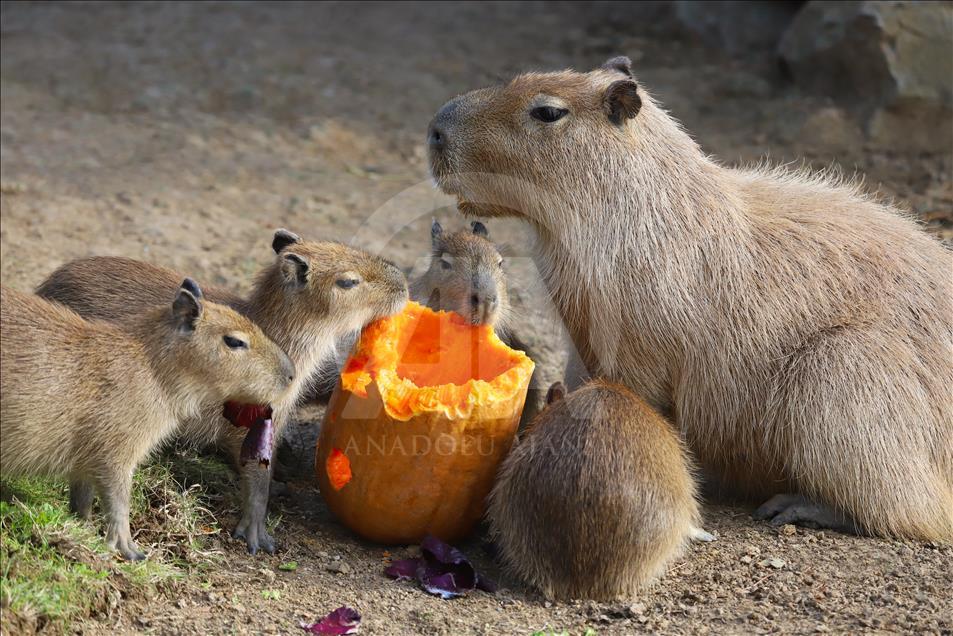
435,231
556,392
192,287
294,269
479,229
283,238
622,101
620,63
187,307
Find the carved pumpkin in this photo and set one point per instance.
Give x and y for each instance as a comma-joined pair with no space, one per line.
425,409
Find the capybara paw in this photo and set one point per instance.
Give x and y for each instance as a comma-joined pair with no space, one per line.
255,536
127,548
700,534
776,505
799,510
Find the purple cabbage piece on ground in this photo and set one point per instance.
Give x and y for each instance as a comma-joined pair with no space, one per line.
442,585
258,442
441,570
404,570
343,620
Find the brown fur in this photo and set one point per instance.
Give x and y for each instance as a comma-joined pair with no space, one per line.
296,301
89,401
596,499
799,332
465,274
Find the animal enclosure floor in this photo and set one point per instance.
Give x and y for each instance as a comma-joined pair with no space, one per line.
184,134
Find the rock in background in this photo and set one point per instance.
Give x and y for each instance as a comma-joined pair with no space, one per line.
736,26
890,62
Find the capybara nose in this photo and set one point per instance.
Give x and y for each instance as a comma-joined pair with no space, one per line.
440,125
436,138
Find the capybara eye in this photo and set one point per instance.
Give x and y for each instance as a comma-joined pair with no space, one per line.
346,283
235,343
444,264
548,114
499,263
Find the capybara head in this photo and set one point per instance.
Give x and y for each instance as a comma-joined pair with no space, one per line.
465,275
216,347
535,143
326,281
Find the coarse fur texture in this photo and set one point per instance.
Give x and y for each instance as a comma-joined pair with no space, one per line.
465,274
798,331
298,301
89,401
596,498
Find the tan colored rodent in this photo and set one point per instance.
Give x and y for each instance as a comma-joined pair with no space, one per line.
596,498
313,294
798,332
465,274
89,401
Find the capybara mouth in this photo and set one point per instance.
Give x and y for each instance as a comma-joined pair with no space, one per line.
260,436
486,210
245,415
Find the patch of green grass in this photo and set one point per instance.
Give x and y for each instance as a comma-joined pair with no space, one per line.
56,569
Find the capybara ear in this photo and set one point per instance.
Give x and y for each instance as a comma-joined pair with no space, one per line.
556,392
479,229
283,238
620,63
187,306
622,101
294,269
435,231
192,287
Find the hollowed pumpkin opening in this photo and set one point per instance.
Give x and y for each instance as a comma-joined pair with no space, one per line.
426,408
424,360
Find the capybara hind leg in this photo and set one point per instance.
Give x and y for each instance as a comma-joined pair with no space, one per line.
116,491
801,511
81,492
864,429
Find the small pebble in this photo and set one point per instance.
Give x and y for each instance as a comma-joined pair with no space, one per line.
788,529
339,567
773,562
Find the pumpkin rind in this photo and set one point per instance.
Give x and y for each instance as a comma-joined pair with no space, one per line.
422,458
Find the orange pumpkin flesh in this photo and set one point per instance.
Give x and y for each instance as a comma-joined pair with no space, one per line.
425,410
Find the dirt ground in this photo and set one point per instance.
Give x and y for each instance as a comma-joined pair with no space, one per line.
184,134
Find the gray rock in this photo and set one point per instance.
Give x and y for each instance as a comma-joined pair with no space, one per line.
891,62
736,27
339,567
